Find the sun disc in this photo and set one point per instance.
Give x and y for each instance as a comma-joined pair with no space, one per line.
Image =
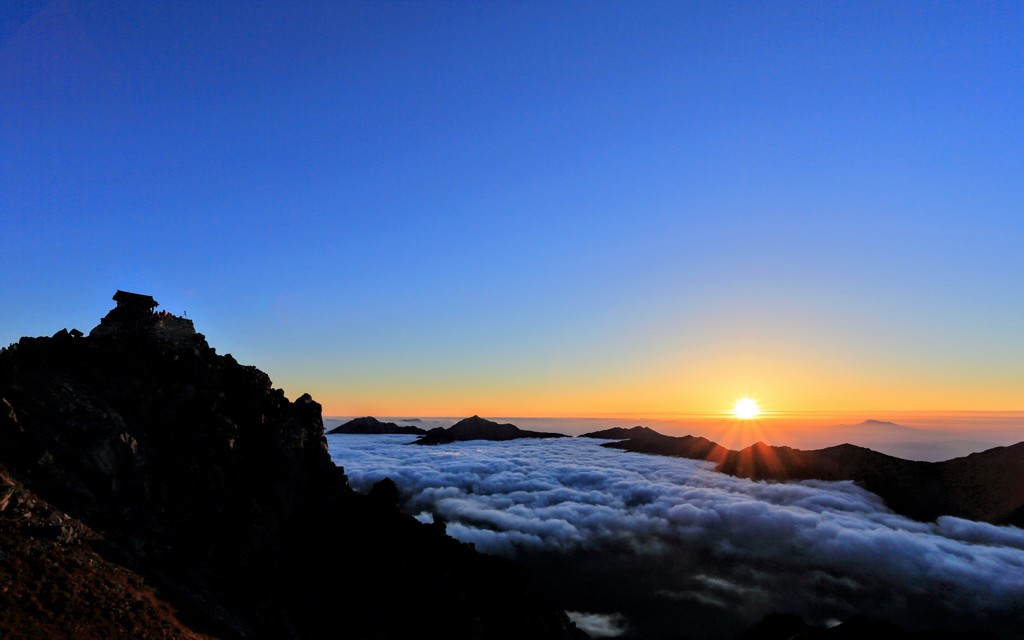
746,409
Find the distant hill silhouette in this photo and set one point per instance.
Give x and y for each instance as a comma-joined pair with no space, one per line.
879,423
477,428
372,426
987,486
909,443
619,433
644,440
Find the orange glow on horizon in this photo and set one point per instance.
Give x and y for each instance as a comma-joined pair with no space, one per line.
657,394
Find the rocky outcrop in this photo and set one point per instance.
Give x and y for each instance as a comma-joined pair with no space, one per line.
372,426
987,486
477,428
213,498
135,315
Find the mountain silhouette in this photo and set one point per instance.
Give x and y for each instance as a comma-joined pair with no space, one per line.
477,428
986,486
644,440
619,433
373,426
150,487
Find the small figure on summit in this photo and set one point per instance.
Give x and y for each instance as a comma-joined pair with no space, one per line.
136,313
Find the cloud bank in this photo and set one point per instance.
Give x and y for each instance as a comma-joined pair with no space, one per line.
598,625
695,542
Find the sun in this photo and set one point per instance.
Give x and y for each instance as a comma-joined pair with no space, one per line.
746,409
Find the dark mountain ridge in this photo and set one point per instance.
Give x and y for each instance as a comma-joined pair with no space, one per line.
986,486
138,461
619,433
372,426
477,428
645,440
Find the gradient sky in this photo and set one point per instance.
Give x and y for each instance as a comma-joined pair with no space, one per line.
533,208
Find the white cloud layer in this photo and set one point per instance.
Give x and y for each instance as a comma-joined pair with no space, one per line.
817,548
598,625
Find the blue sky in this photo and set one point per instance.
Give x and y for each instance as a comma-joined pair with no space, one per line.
533,207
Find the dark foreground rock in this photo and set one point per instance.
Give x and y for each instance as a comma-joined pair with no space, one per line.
477,428
372,426
52,575
789,627
153,488
986,486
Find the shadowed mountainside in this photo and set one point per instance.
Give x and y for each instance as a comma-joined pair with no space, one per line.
372,426
477,428
50,574
986,486
152,488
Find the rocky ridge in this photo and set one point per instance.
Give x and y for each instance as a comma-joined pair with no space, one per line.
986,486
477,428
372,426
204,499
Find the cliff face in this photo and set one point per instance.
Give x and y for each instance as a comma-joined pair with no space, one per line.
216,492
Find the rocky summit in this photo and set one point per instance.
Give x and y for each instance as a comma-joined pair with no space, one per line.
150,487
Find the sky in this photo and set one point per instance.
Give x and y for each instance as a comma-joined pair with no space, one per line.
533,208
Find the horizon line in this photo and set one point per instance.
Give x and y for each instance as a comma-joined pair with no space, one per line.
702,412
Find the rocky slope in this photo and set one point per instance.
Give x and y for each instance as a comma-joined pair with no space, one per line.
477,428
987,486
51,574
372,426
204,502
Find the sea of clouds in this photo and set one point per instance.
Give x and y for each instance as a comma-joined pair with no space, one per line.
643,544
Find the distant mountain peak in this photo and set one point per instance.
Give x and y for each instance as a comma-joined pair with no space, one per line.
622,433
477,428
879,425
371,425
